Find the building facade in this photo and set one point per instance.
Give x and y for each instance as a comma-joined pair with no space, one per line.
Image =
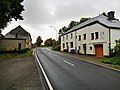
17,38
95,37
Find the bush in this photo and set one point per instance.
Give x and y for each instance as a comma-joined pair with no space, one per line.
14,50
114,61
65,50
56,48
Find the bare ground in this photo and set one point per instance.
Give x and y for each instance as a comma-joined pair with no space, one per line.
20,74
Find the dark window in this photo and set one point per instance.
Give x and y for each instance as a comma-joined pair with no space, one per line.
67,45
16,35
96,35
66,37
79,37
71,35
71,44
84,36
90,47
19,45
92,36
79,47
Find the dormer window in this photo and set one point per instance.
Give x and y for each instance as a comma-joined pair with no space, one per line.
16,36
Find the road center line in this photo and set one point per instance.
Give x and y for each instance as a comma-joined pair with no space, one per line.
69,63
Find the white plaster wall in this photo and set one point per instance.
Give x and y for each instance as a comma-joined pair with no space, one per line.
103,39
115,35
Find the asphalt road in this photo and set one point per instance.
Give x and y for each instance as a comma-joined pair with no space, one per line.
67,73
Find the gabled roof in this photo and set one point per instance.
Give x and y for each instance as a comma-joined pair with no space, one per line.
20,30
1,36
101,19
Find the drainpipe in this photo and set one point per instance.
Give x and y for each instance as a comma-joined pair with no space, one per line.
109,42
75,41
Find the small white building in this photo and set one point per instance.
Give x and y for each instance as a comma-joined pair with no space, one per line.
95,37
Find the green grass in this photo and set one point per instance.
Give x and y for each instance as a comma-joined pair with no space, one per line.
114,61
14,55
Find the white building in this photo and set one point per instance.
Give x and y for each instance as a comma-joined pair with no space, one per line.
95,37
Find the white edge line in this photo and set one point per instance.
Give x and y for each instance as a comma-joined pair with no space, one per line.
69,63
46,78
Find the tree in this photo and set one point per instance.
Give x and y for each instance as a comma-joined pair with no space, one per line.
71,25
50,42
83,20
9,10
39,41
117,47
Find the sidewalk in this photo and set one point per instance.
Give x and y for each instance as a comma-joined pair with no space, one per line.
92,59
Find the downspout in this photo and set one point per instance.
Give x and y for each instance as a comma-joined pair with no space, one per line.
109,42
75,42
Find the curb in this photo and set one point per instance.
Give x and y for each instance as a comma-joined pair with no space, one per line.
96,64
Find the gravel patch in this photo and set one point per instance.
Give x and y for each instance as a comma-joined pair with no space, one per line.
20,74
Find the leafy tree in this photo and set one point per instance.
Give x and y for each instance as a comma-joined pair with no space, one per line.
71,25
50,42
39,41
83,20
9,10
117,47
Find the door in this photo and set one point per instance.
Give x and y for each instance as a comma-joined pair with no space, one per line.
19,45
99,50
84,48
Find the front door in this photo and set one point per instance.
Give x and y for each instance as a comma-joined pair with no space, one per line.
19,45
99,50
84,48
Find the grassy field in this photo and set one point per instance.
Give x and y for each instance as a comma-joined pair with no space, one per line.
14,55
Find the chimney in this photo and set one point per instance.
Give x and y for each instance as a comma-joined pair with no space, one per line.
111,15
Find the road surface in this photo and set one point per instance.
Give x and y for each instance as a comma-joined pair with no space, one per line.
68,73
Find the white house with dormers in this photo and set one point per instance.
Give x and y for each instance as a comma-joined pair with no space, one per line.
95,37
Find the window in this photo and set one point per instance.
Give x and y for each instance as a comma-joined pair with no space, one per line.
79,47
63,45
71,35
84,36
16,36
67,45
90,47
66,37
79,37
71,44
19,45
96,35
92,36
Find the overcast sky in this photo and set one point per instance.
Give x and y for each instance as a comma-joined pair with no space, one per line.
39,15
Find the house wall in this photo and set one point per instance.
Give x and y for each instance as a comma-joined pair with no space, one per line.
115,35
103,38
11,44
65,40
27,37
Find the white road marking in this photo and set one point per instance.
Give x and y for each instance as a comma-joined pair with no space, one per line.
69,63
46,78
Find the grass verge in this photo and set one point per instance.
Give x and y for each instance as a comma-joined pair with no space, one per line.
14,55
114,62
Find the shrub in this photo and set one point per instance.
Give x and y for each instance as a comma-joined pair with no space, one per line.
56,48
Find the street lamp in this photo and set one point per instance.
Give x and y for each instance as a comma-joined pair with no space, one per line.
56,31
